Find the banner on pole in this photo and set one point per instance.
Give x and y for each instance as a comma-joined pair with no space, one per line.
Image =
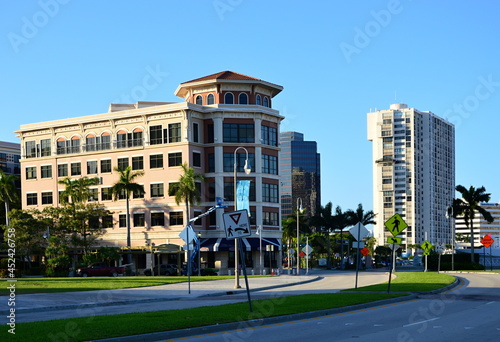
243,195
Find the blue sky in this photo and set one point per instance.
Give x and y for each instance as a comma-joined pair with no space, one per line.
336,60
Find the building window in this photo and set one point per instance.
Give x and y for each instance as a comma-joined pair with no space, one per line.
155,135
62,170
240,133
93,195
157,219
156,161
176,218
269,136
228,98
196,133
139,220
270,193
32,199
174,159
138,194
106,166
258,100
30,147
269,164
138,163
210,99
269,218
107,221
210,133
122,163
46,171
124,139
31,172
157,190
174,132
45,144
47,198
228,161
243,99
196,159
211,162
92,167
122,221
106,194
199,100
266,101
76,169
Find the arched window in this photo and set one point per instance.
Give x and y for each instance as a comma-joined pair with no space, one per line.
210,99
199,100
258,100
229,98
243,99
266,101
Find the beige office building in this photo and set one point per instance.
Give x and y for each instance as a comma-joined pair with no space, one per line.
413,173
219,114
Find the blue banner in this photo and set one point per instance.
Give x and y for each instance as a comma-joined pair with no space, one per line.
243,194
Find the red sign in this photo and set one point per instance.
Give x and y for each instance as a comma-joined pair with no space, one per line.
487,241
365,251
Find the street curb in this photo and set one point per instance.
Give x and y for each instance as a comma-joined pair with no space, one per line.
242,325
151,300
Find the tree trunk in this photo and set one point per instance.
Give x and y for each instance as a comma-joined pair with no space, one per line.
472,240
7,213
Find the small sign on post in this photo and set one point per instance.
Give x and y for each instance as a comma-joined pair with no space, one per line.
236,224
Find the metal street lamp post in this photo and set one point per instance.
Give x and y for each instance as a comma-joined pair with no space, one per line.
299,209
247,171
259,231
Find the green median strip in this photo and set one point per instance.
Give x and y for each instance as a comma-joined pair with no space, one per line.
413,282
99,327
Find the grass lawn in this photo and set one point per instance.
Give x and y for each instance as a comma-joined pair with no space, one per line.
413,282
96,327
47,285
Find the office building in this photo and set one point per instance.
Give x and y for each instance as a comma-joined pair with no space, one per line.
300,174
219,114
10,155
481,228
413,173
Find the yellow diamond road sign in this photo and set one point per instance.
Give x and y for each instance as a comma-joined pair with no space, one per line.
394,240
395,225
426,246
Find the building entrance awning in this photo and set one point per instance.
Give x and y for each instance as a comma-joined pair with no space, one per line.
250,244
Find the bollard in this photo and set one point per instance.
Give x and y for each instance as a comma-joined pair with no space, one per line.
264,271
228,272
253,272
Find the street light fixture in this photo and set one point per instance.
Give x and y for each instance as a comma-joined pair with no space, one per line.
247,171
299,209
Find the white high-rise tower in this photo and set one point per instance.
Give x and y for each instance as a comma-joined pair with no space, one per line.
413,173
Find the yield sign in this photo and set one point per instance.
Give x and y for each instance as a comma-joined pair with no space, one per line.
487,241
395,225
236,224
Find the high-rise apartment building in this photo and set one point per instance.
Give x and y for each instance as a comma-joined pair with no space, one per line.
300,174
10,155
413,173
481,227
220,113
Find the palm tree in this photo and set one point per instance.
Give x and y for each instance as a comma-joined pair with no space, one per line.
324,220
468,205
341,221
77,190
8,192
360,216
185,190
126,185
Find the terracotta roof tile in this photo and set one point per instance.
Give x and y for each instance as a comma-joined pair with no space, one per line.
224,75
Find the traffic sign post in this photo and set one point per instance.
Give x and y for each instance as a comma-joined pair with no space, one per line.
487,241
359,232
237,226
426,246
395,225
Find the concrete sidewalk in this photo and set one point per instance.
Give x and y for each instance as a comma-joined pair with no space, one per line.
46,304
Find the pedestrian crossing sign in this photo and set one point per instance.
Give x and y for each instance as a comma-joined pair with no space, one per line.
395,225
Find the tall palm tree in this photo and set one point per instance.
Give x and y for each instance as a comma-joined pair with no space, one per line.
185,190
341,221
77,190
359,215
8,192
126,185
324,220
468,205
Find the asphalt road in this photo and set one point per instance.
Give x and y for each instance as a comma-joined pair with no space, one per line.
466,313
